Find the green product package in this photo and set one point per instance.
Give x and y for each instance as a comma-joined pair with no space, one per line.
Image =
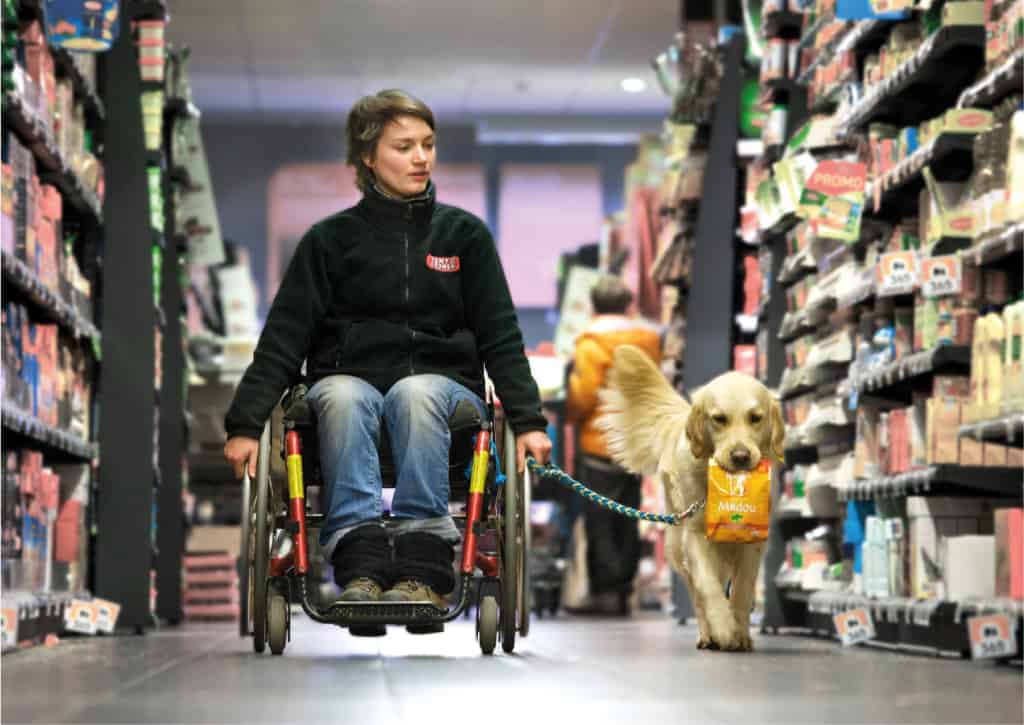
832,200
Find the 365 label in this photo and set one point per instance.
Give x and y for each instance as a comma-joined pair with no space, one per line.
992,637
854,627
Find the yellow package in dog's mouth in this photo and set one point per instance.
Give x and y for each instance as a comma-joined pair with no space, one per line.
739,504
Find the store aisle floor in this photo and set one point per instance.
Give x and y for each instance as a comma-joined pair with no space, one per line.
569,670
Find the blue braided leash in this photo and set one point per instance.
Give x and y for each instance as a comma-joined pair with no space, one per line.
554,472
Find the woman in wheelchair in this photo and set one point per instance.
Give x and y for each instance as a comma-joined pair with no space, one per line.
395,305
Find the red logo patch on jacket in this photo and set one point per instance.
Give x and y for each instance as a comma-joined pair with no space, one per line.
443,264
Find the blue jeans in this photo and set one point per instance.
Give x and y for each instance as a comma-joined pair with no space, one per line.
415,410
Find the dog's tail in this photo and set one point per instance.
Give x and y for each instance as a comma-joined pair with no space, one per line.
640,412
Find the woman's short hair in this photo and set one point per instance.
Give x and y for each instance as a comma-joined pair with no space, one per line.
366,121
610,296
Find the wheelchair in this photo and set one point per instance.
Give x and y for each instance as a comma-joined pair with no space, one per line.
493,567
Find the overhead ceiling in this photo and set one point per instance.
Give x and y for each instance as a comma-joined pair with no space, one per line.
471,60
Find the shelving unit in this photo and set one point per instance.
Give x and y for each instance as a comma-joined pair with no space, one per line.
934,79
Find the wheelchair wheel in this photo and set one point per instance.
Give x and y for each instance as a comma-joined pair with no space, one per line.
524,591
510,550
487,624
277,622
259,543
244,565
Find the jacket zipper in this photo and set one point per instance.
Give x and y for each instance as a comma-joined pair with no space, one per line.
408,324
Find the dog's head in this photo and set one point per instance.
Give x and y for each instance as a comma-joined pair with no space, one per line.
737,420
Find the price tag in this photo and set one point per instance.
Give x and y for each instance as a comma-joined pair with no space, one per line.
80,616
106,615
940,276
9,619
854,627
992,637
897,273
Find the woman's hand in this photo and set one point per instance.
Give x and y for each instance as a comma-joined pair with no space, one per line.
241,452
537,444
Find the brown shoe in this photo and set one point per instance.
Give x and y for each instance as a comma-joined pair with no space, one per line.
363,589
413,590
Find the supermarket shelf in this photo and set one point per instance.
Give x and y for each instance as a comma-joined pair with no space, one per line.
940,480
950,158
900,378
57,441
809,36
866,36
911,623
783,225
827,102
995,248
1008,429
996,85
797,382
794,325
782,24
925,84
45,299
83,87
52,166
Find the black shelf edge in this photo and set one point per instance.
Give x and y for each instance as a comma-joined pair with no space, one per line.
53,169
949,156
930,624
996,85
866,36
996,247
83,87
893,100
802,454
782,24
57,441
889,379
180,108
45,299
783,225
938,480
1007,429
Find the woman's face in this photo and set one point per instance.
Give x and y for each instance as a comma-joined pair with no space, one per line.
404,157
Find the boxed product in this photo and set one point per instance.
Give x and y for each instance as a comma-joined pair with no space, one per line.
969,567
943,421
1009,535
931,519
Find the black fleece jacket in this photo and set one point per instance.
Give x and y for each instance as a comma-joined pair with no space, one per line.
388,289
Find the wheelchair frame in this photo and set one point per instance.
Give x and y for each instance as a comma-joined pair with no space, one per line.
500,581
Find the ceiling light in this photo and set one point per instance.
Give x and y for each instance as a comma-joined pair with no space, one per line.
634,85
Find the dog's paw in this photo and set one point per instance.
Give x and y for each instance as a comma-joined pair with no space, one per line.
746,642
728,637
704,642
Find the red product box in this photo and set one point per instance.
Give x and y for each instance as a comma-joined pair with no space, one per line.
50,494
67,533
46,350
1009,531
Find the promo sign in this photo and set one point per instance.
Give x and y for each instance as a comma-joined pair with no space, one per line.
833,199
106,615
9,620
854,627
897,274
80,616
941,276
992,637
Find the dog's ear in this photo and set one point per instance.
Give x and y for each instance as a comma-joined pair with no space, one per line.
778,431
697,430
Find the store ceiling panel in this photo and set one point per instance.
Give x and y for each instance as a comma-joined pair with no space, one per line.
467,58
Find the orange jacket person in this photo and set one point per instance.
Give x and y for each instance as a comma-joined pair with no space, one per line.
613,543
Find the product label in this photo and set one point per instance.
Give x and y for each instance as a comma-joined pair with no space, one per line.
854,627
9,620
833,199
941,276
80,616
106,615
992,637
897,274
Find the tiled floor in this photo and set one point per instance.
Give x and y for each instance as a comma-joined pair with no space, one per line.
578,671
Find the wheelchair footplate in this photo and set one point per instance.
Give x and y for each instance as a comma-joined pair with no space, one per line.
356,614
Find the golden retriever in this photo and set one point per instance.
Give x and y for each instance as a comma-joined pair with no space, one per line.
651,429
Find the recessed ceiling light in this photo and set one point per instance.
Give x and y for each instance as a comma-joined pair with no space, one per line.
634,85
